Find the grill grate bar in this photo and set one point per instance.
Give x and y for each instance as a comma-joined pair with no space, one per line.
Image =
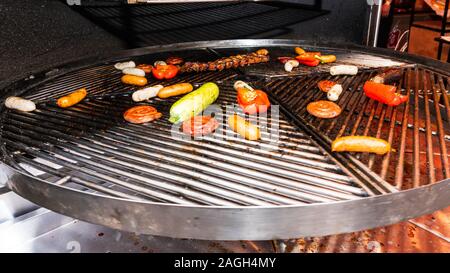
292,183
362,116
429,141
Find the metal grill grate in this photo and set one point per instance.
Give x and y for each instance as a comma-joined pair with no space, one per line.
89,148
417,130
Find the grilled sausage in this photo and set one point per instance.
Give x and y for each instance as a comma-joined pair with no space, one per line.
134,80
175,90
388,76
72,98
123,65
324,109
289,65
360,144
334,92
343,70
20,104
243,127
242,84
134,71
146,93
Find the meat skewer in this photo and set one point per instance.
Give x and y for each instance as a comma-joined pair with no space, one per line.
260,56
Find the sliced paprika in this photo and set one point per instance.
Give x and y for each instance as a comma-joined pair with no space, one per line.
165,72
252,102
383,93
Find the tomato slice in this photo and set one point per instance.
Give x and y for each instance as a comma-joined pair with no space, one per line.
325,85
200,125
256,102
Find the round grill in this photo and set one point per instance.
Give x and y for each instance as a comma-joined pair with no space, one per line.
87,162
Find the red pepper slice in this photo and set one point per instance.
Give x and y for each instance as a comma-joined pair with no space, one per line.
308,56
315,62
162,72
253,102
383,93
284,60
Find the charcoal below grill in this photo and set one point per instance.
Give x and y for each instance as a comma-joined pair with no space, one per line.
89,163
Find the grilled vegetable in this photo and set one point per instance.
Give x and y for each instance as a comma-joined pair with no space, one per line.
326,85
141,114
200,125
388,76
20,104
72,98
194,103
284,60
299,50
146,93
309,63
362,144
134,71
175,90
253,102
146,67
343,70
134,80
383,93
308,57
243,127
324,59
324,109
123,65
165,72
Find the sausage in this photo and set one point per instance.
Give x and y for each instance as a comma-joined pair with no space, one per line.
175,90
72,99
324,109
289,65
146,67
20,104
242,84
134,71
388,76
159,63
343,70
134,80
123,65
334,92
146,93
243,127
360,144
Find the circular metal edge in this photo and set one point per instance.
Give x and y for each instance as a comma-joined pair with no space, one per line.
232,223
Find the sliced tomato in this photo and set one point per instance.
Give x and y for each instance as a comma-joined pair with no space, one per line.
253,102
200,125
325,85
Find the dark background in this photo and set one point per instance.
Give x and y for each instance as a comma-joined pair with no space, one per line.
39,34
